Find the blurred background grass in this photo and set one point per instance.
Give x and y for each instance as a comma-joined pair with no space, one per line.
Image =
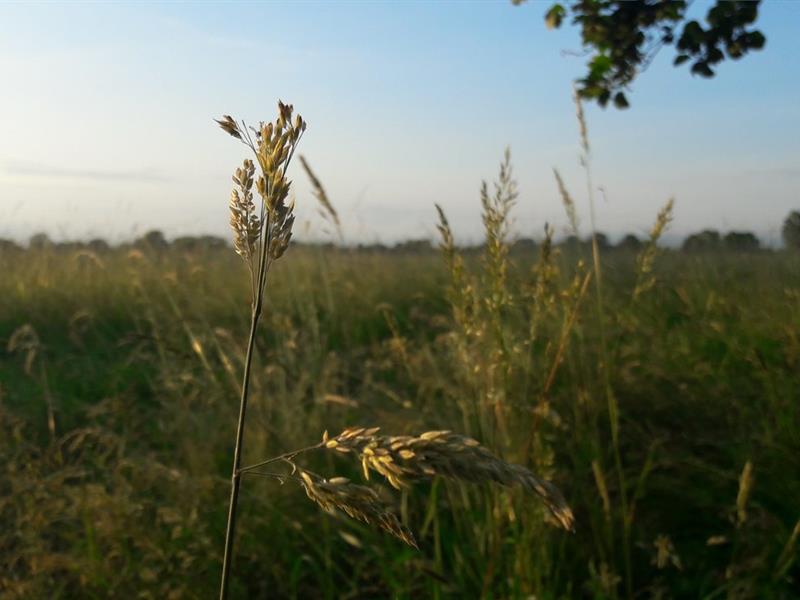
119,405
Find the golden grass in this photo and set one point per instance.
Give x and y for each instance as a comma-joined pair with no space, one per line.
358,501
259,240
403,459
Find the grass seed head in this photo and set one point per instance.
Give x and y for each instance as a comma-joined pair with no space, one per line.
245,223
404,459
230,126
357,501
327,209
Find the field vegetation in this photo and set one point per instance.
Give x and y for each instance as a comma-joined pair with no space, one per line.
658,389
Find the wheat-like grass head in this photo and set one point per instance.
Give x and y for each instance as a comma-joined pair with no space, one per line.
358,501
404,459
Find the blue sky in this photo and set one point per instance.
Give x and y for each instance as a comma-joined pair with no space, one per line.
106,119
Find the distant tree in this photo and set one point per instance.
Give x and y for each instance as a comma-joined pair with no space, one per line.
190,243
39,241
213,242
413,246
572,243
8,247
376,247
602,241
622,37
791,231
523,246
152,240
630,243
186,243
473,249
704,241
98,245
741,241
71,246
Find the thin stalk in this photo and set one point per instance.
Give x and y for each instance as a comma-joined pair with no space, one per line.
287,456
279,476
275,225
236,475
611,400
562,342
263,267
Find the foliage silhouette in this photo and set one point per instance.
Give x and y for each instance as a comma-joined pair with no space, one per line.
791,230
622,38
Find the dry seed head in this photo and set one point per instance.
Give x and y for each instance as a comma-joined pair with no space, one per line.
281,226
662,220
25,340
745,487
358,501
600,482
665,553
285,111
716,540
569,203
275,145
404,459
319,191
496,221
444,226
581,121
229,126
646,258
245,223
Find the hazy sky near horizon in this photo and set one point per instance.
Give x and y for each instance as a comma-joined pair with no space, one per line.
106,119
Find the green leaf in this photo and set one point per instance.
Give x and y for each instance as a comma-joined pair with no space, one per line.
680,59
714,55
693,35
599,66
555,16
756,40
620,101
701,68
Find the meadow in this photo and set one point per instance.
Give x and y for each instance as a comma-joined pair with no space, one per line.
658,389
668,413
542,416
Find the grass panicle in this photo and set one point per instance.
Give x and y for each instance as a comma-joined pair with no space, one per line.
404,459
259,240
357,501
327,209
569,205
645,260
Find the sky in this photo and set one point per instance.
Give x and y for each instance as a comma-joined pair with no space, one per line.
106,123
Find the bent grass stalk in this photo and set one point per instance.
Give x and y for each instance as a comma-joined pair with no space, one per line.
403,460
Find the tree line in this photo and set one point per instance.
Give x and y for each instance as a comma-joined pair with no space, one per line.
707,240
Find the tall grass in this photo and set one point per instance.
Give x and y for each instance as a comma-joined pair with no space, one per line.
260,238
116,461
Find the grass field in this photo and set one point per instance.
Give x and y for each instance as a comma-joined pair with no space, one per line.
670,418
542,416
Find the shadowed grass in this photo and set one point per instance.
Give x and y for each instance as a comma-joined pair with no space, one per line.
705,372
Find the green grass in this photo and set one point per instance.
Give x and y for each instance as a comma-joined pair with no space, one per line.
142,358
